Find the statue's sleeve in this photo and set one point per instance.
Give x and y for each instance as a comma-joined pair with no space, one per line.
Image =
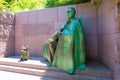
57,33
80,21
80,52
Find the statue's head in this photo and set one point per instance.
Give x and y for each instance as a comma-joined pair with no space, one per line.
71,12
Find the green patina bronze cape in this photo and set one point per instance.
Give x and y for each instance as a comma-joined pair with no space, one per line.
70,50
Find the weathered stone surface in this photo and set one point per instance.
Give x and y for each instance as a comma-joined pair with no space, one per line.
118,25
7,36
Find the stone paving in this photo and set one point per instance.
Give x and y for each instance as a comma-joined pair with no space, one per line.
4,75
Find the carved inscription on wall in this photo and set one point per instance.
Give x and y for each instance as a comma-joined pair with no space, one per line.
39,29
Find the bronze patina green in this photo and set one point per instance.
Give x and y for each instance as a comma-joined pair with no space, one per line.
66,47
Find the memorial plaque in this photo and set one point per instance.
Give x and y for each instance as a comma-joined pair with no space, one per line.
39,29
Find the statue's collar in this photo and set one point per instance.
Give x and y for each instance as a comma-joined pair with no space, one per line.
72,20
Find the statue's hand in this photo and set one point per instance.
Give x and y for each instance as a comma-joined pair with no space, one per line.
49,40
58,33
22,50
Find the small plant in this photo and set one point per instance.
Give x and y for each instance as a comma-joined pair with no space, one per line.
96,3
23,5
1,8
54,3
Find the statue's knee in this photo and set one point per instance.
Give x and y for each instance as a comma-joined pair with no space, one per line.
50,44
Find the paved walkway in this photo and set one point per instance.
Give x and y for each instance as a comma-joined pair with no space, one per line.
4,75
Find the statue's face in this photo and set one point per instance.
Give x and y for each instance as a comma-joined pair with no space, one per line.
70,13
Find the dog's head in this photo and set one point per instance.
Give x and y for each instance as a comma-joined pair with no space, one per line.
24,47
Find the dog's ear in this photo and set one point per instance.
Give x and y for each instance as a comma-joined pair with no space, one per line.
24,47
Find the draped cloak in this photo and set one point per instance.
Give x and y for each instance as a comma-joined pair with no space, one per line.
70,53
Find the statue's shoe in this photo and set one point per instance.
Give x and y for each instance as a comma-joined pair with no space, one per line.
49,64
82,67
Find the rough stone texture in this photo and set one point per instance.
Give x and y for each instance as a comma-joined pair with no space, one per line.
118,25
7,37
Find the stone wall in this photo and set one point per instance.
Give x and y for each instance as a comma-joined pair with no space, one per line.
35,27
108,36
7,38
117,66
107,49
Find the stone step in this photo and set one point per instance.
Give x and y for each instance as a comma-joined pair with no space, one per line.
51,74
94,68
6,75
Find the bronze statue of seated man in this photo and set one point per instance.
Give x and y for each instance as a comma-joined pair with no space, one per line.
66,47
